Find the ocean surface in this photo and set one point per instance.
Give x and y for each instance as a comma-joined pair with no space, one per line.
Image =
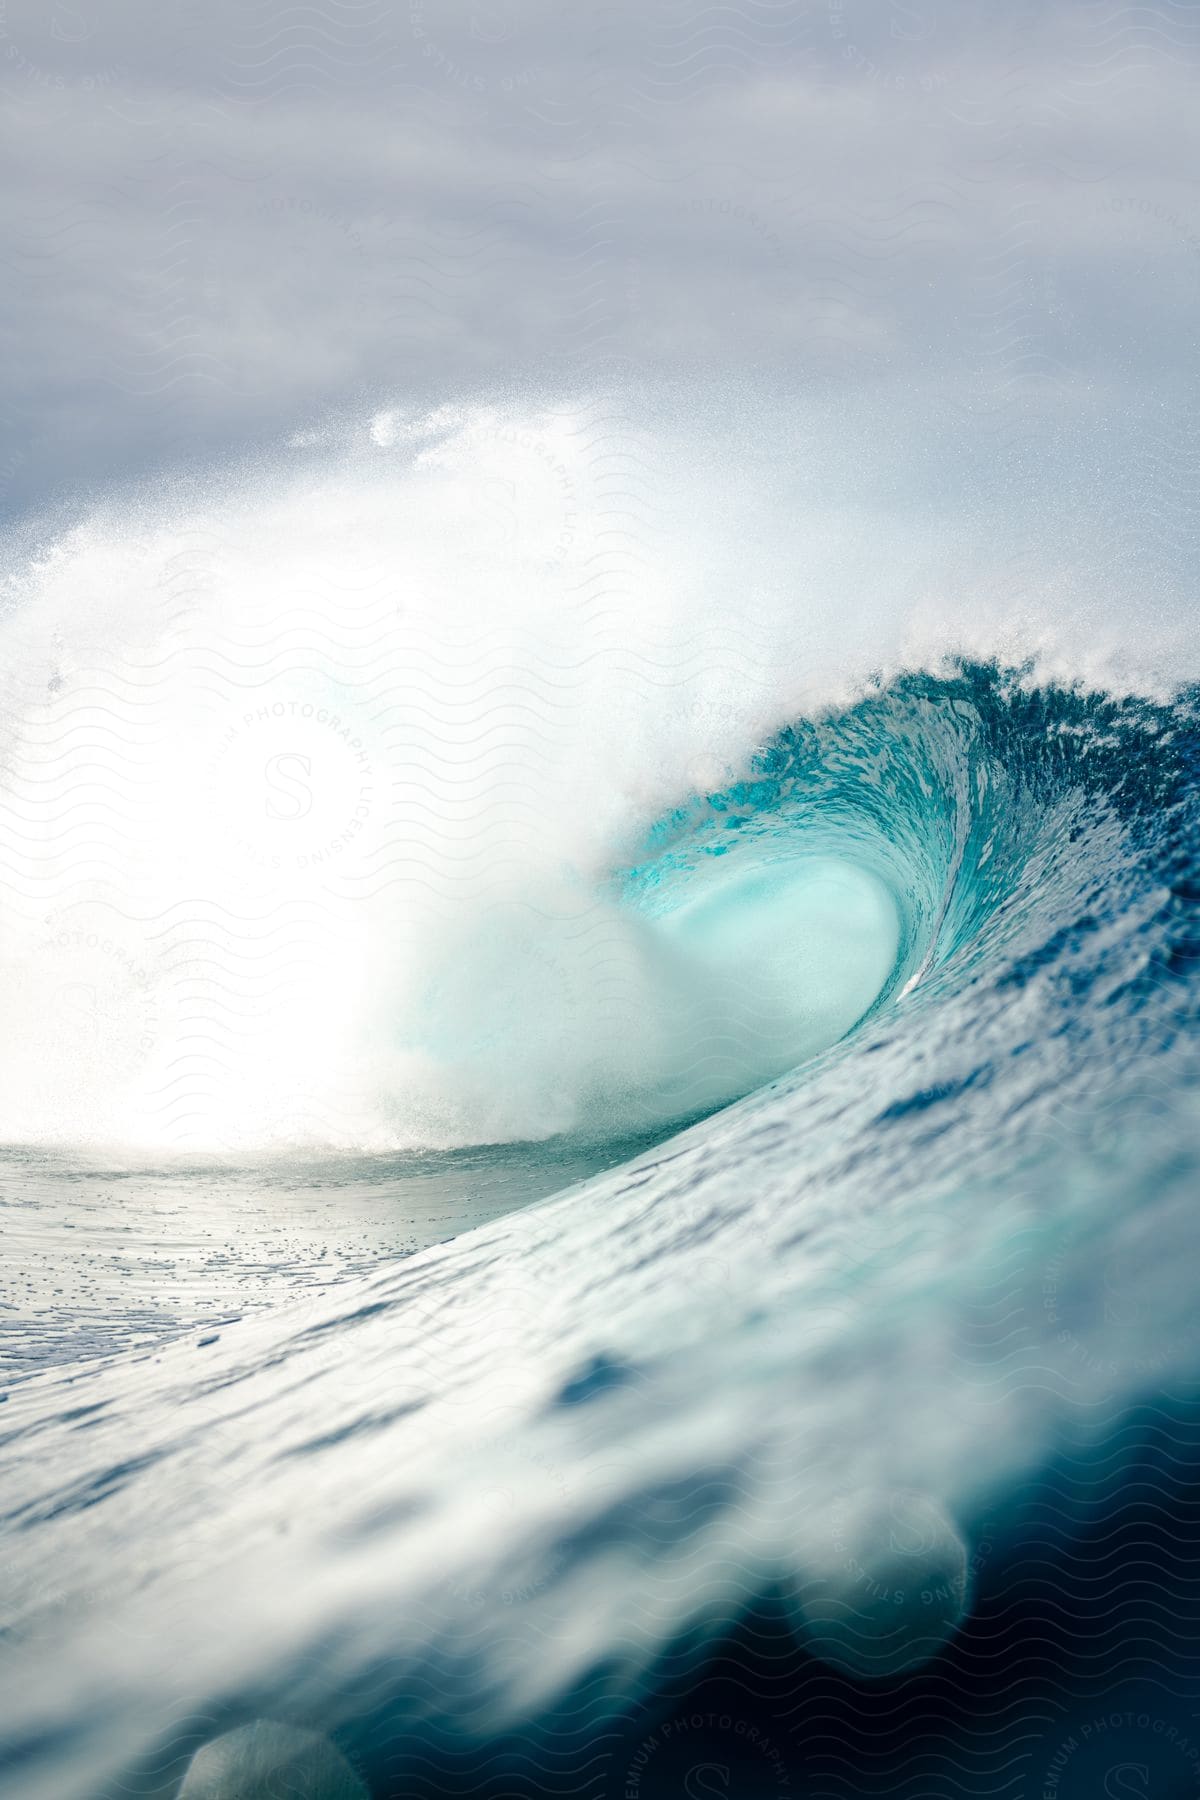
621,1220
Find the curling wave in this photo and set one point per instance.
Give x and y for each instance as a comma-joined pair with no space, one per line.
329,795
873,1001
782,1375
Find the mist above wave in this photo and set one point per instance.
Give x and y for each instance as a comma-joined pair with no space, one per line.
316,776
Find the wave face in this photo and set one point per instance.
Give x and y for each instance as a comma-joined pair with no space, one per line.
869,1017
313,776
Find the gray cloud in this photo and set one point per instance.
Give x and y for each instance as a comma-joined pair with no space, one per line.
226,220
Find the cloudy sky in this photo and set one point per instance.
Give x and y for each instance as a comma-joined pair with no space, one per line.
682,365
226,220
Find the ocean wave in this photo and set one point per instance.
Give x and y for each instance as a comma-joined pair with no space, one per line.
761,1400
328,821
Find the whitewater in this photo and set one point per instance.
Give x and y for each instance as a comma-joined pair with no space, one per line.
605,1045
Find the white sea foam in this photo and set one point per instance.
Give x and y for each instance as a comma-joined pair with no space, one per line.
314,777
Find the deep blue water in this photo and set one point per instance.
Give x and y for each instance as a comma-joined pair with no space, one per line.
833,1432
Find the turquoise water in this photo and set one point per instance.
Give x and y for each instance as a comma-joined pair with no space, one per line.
794,1440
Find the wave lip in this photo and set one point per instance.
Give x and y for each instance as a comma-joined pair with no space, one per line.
284,755
948,1253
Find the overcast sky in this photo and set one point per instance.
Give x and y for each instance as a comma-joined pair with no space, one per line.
227,218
